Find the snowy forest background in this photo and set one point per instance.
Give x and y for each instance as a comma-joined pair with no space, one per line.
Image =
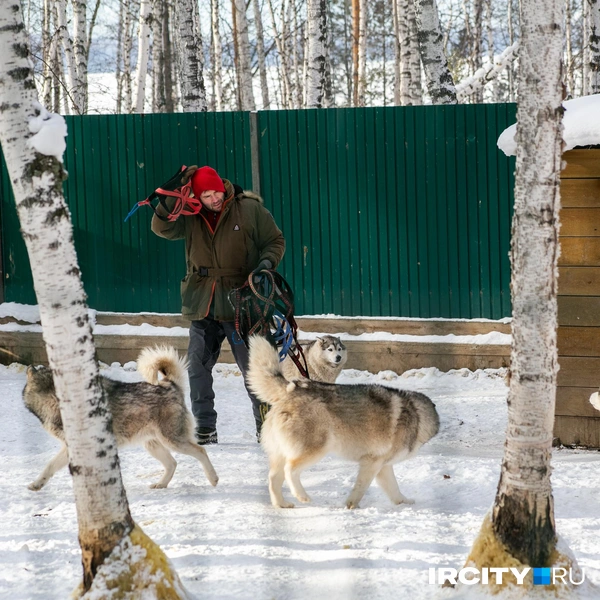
114,56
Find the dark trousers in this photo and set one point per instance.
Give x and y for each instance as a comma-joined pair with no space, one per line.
206,337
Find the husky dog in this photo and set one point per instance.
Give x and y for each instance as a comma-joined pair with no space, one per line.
151,412
372,425
325,358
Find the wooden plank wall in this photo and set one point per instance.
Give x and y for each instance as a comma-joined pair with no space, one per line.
577,421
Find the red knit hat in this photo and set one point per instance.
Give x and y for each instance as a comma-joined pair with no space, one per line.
204,179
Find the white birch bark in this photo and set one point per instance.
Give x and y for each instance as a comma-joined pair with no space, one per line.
144,32
410,92
33,144
521,527
524,506
477,37
511,40
217,57
397,47
570,66
585,62
189,56
295,39
440,84
48,49
490,45
260,52
127,55
169,70
356,6
246,91
102,509
593,46
467,88
67,44
362,52
80,47
317,53
158,80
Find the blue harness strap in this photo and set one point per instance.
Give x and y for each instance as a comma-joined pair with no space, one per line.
264,305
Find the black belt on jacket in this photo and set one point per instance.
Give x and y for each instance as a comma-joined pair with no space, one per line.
212,272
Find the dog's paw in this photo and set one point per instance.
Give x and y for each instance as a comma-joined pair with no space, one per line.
351,504
405,500
305,498
213,480
283,504
35,486
158,486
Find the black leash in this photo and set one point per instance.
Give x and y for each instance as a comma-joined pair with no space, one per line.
267,308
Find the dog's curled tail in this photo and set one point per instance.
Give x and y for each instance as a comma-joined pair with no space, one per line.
265,377
163,360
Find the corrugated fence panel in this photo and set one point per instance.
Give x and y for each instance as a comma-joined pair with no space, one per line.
399,211
114,161
392,211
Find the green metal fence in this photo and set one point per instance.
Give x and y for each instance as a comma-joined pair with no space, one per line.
399,211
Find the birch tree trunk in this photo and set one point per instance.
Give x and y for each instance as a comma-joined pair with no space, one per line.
511,39
217,61
411,92
190,60
296,40
522,523
397,52
355,51
67,44
585,62
362,52
144,31
158,58
245,67
570,66
48,49
524,507
477,37
594,46
80,48
490,46
317,53
260,52
168,67
33,143
440,84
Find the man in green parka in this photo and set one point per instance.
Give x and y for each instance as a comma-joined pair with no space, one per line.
232,236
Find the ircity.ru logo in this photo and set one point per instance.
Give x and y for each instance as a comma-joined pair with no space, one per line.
487,575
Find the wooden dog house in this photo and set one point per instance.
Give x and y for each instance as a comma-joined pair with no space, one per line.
577,421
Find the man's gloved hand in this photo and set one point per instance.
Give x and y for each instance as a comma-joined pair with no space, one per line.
263,264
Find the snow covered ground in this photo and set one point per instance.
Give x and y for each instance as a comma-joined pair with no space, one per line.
229,542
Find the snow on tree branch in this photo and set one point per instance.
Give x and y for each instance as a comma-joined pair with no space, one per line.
486,73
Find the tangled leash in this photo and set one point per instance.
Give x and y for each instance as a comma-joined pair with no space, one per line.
178,188
264,305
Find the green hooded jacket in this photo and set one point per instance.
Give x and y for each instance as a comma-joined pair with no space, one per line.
220,261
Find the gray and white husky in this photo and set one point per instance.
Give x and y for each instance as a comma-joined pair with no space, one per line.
325,359
151,412
372,425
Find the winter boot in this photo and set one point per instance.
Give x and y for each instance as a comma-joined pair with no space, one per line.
206,435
